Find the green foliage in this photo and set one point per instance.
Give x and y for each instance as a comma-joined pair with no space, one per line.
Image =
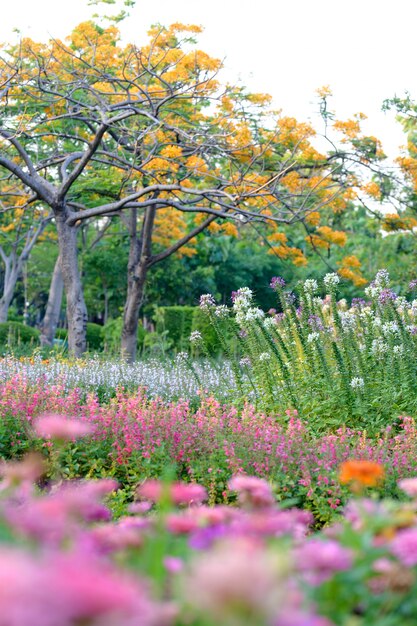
203,325
95,336
15,333
336,366
177,321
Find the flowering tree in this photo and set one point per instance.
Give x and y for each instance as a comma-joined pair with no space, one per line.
92,128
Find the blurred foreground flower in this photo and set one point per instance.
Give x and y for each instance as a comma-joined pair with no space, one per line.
178,493
59,427
237,583
361,473
252,491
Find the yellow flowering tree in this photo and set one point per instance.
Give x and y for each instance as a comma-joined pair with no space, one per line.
93,128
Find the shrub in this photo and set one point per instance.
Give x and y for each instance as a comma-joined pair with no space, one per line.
112,333
95,337
13,333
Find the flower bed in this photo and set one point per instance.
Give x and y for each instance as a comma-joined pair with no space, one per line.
136,437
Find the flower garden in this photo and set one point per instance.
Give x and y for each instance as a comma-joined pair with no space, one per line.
276,486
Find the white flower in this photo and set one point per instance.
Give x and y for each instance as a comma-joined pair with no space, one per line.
398,349
379,347
249,315
390,328
313,337
382,279
331,280
242,299
348,320
265,356
372,291
270,323
401,303
318,301
310,286
357,383
207,301
221,311
196,336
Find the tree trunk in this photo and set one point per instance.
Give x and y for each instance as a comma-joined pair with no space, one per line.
139,255
76,308
53,308
10,279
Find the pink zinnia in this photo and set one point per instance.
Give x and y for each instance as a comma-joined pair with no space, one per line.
404,546
59,427
320,560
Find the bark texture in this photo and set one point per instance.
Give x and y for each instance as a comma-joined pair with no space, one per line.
76,308
53,308
138,265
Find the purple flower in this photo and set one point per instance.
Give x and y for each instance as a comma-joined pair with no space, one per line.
204,538
387,295
315,322
319,560
359,302
413,284
277,282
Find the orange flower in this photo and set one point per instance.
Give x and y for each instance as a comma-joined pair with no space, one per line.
362,473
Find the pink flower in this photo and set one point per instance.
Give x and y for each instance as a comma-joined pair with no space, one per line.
173,564
404,546
320,560
59,514
178,493
28,470
59,427
254,492
236,579
409,486
300,618
67,589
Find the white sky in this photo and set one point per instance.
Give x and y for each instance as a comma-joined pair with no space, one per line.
363,49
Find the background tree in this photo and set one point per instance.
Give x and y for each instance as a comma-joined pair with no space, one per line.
20,229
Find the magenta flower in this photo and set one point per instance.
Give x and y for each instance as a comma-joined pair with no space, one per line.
404,546
320,560
59,427
178,493
252,491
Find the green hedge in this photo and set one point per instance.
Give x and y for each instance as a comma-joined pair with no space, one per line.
178,322
94,336
16,332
